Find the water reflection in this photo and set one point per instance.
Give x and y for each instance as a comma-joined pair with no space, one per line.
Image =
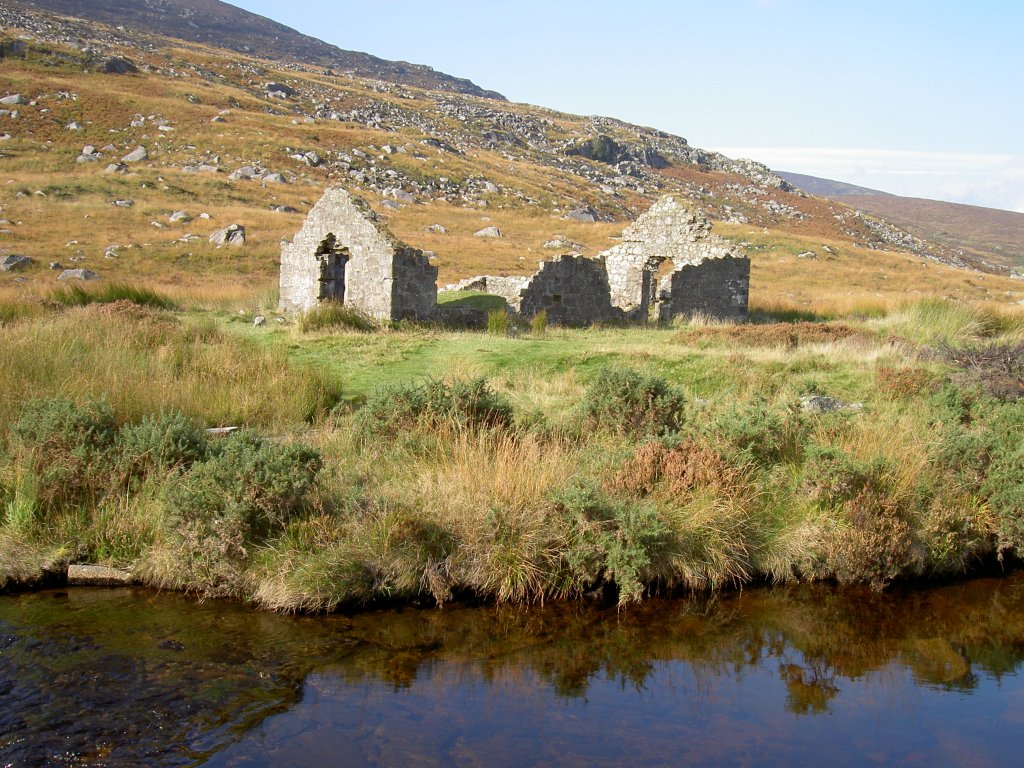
764,677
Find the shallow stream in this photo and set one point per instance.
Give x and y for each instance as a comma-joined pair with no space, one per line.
797,676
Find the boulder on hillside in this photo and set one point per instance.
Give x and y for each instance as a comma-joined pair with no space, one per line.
491,231
116,65
182,217
14,261
280,90
137,155
78,274
585,214
15,99
244,173
232,234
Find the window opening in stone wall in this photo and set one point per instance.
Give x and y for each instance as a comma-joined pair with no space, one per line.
333,258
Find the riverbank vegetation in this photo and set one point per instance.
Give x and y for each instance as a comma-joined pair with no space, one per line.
413,463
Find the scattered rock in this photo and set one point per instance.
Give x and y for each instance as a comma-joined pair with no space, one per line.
97,576
280,90
560,243
14,261
14,99
233,234
587,215
807,255
123,203
491,231
275,178
116,168
244,173
78,274
181,217
437,229
823,404
115,65
137,155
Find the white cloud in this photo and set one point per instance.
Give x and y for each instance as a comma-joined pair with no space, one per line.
994,181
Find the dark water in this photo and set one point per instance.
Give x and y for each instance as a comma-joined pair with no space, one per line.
785,677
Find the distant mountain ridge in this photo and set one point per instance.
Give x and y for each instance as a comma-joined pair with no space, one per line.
226,26
814,185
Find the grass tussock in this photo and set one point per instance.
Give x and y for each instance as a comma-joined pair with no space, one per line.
108,293
334,316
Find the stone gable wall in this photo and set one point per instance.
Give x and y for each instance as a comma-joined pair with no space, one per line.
668,230
376,261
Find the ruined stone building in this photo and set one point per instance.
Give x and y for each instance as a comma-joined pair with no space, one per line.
709,278
345,253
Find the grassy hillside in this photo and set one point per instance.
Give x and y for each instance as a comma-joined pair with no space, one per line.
420,157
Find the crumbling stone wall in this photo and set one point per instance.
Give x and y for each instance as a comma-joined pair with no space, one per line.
344,252
718,288
573,290
669,230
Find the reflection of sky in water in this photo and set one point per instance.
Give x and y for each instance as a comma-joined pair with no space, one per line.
789,677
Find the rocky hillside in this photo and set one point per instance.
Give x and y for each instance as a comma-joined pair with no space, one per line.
215,23
989,235
110,132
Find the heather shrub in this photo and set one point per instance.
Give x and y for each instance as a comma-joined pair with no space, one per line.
67,447
631,403
831,476
222,508
158,444
395,408
759,432
875,545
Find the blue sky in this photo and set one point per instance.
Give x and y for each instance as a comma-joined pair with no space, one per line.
913,97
